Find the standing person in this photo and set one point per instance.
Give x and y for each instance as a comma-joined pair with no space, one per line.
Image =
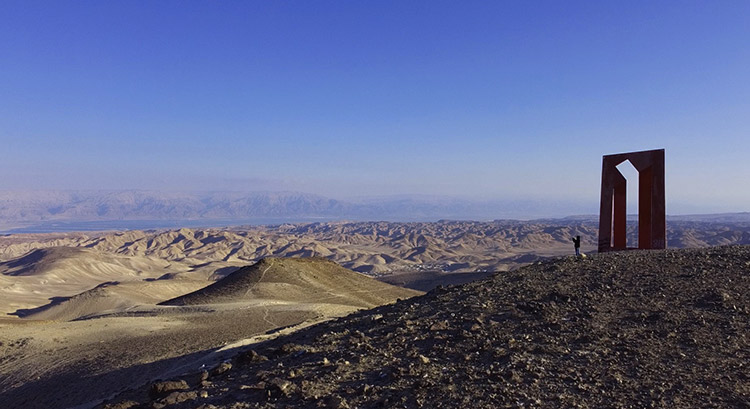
577,244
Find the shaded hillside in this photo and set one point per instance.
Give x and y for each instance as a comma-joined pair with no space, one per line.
633,329
39,261
312,280
47,276
110,297
67,264
686,234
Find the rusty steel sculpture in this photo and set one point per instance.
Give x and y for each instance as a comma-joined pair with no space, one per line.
652,220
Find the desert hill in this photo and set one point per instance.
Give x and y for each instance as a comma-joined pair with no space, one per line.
37,270
370,247
373,247
311,280
49,275
65,263
45,276
82,348
418,255
110,298
666,328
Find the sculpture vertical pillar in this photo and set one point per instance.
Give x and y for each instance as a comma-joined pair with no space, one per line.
620,213
605,211
645,188
652,225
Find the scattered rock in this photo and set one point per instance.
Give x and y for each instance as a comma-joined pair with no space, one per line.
439,326
251,356
178,397
221,368
278,387
336,402
163,388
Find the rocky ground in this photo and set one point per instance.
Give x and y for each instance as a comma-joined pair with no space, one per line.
634,329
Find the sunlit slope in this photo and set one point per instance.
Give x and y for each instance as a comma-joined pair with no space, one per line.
111,297
309,280
45,275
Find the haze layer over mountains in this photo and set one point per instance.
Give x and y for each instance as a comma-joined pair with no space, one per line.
43,211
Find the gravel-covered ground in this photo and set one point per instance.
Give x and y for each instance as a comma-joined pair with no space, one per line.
638,329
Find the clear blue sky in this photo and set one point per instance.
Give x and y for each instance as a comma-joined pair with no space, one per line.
495,99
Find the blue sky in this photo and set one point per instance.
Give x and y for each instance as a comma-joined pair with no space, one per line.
492,100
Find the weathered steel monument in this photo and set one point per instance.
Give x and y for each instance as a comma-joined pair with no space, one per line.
652,219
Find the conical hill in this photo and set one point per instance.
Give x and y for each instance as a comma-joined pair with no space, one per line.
310,280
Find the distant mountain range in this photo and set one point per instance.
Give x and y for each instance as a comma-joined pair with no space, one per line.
47,211
99,205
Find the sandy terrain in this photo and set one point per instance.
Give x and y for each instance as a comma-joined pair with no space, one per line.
66,276
369,247
47,276
115,336
39,270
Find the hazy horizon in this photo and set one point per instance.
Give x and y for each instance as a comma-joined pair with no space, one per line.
482,101
89,210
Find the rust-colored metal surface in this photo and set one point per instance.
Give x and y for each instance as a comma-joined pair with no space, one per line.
652,218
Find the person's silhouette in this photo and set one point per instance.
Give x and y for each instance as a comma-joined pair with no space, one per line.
577,244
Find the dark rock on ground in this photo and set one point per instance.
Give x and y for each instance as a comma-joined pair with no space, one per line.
163,388
221,368
638,329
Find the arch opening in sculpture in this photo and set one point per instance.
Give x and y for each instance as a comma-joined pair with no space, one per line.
630,173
